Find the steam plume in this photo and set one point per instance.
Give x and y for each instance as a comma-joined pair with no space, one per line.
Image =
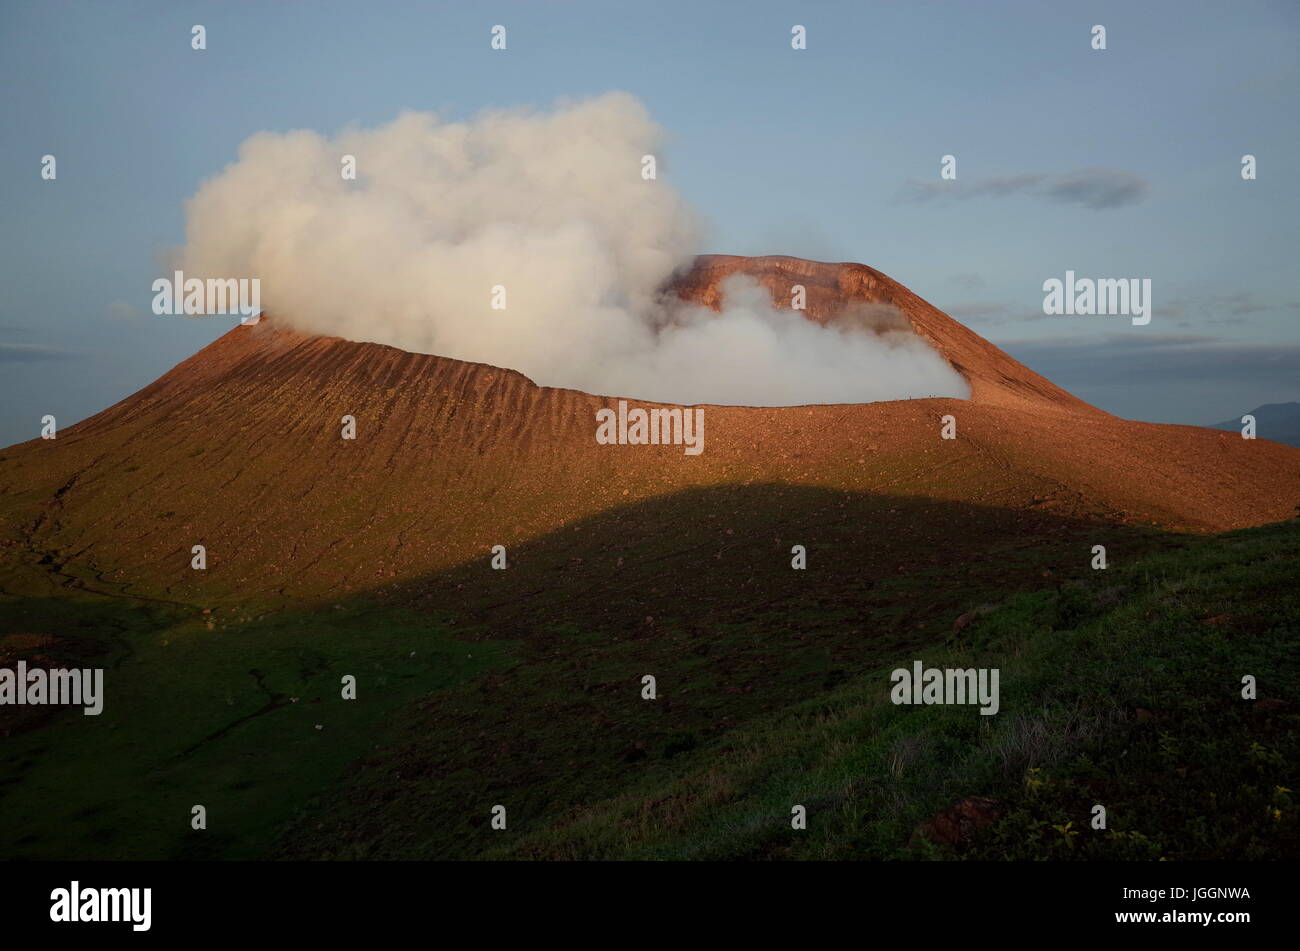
552,207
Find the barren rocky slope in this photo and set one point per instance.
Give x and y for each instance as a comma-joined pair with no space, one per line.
239,449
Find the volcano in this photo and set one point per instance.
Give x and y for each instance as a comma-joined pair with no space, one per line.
238,449
767,585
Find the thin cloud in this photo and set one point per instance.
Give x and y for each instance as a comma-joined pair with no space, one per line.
30,353
1226,308
1122,359
1188,313
987,313
1096,188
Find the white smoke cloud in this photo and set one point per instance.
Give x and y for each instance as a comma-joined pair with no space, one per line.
551,206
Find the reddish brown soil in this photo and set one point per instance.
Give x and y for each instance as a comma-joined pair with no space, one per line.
238,449
994,377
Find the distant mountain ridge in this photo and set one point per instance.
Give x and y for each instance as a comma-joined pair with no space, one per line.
1279,422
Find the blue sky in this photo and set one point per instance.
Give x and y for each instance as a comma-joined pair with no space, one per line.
812,153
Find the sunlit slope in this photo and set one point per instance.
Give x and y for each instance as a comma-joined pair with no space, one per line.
239,449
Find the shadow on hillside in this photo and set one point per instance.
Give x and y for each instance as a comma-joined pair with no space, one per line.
703,557
542,709
697,590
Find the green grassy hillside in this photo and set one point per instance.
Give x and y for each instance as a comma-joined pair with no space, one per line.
1122,689
522,688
